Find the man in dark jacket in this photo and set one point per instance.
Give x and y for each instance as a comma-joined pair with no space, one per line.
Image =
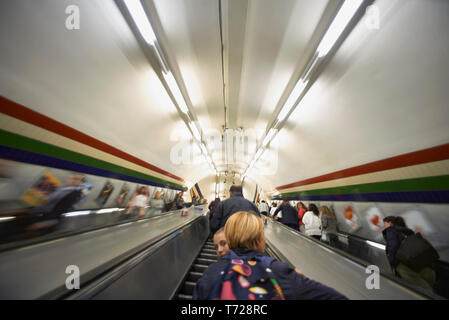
230,206
289,215
394,233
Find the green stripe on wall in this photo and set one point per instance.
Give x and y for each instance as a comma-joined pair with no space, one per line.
417,184
20,142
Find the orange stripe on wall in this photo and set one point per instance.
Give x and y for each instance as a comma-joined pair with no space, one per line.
23,113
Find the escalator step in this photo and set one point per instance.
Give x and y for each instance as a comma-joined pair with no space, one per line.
194,276
199,267
209,251
208,256
184,297
205,261
188,287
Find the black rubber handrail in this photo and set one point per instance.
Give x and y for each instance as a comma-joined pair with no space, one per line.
101,277
54,236
356,260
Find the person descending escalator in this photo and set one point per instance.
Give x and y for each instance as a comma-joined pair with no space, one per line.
220,243
246,273
230,206
312,222
329,227
212,206
411,257
289,215
156,205
301,210
263,208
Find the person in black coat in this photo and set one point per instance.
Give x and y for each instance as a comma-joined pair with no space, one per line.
230,206
394,233
289,215
244,232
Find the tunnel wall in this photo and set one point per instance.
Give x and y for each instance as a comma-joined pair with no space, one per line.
414,186
45,145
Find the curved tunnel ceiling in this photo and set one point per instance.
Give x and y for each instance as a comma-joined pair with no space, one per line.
383,93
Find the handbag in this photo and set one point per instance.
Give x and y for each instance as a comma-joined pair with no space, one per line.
416,252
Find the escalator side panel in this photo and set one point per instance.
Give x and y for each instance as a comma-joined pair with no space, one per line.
330,268
159,275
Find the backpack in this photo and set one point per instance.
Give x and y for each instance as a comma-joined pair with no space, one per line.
416,252
245,279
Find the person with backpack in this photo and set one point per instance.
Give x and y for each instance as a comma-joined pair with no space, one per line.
289,215
246,273
409,254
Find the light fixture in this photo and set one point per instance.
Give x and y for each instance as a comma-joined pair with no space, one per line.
258,154
195,132
294,95
268,137
341,20
203,148
171,82
140,18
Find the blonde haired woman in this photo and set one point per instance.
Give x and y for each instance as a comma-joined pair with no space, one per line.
244,232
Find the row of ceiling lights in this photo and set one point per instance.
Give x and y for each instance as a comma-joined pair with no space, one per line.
345,14
333,33
143,24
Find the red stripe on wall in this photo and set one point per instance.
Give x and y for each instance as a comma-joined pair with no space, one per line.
409,159
23,113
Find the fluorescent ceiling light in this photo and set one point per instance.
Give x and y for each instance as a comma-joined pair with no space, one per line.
196,134
268,137
141,20
296,92
341,20
203,148
171,82
209,159
259,153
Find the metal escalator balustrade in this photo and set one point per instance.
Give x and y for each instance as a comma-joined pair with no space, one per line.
206,257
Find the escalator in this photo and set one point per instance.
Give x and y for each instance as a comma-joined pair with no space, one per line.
206,257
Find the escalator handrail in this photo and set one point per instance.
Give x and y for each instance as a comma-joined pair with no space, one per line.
103,276
353,259
54,236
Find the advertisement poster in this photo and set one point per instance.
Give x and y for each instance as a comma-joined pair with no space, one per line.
374,218
351,218
105,193
124,192
417,221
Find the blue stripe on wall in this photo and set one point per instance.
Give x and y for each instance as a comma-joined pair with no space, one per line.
47,161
